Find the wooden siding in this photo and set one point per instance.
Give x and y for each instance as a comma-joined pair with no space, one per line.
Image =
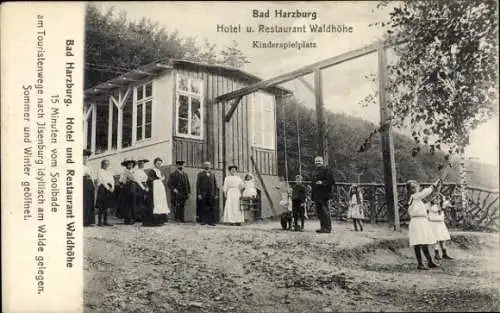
238,139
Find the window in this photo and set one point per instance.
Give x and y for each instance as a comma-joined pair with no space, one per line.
102,122
88,125
189,109
263,121
144,106
127,122
119,122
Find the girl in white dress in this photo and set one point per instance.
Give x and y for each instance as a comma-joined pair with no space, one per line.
436,220
249,192
249,185
232,187
420,231
160,204
355,210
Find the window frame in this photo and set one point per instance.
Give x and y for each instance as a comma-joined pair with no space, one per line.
190,95
136,103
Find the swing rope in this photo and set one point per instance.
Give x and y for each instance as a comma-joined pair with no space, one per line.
284,137
298,129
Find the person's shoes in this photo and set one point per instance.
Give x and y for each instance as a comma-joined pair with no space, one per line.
203,223
211,224
436,255
99,224
323,231
107,224
446,256
432,264
422,267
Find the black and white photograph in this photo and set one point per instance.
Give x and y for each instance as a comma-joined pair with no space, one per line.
270,156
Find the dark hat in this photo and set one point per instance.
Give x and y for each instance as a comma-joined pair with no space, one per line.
143,160
231,167
127,161
87,152
179,162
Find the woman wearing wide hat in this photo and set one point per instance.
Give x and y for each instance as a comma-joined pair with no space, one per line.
88,192
126,203
233,185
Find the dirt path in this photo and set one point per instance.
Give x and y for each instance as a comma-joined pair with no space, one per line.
259,268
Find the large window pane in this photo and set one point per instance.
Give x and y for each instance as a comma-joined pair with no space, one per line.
114,129
195,86
139,122
149,90
89,132
196,117
182,83
149,115
182,126
102,122
127,123
183,107
140,92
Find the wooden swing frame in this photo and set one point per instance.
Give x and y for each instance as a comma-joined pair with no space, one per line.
379,47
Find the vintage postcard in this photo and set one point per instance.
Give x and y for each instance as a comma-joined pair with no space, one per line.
252,156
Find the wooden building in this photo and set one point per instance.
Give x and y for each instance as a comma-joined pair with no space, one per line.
167,109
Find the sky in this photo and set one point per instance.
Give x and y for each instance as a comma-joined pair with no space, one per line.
344,85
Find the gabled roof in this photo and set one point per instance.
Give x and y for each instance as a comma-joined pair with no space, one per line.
157,68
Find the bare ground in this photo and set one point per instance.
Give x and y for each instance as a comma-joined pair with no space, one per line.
260,268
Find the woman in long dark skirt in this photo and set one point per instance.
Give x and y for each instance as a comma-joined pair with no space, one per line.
88,192
143,193
105,193
126,203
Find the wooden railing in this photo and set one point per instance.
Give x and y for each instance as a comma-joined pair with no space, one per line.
481,213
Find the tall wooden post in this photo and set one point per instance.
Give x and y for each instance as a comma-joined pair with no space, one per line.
223,131
391,193
320,116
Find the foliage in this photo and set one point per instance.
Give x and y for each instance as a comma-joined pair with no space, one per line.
344,135
115,45
443,84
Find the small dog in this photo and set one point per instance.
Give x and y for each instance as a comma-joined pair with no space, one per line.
286,220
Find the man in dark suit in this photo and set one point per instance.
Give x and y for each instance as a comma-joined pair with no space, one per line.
207,194
178,182
321,192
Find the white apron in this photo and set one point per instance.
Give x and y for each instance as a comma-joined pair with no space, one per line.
160,204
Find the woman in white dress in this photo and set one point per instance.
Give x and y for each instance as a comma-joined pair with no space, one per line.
420,231
233,185
355,210
160,204
436,220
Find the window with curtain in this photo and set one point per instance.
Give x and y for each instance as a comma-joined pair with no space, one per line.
189,109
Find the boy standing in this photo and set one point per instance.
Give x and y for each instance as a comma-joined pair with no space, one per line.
298,203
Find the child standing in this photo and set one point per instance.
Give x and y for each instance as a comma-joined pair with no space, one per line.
436,220
420,231
286,203
355,210
298,203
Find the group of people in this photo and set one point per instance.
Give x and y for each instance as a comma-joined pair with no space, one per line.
427,226
295,200
140,195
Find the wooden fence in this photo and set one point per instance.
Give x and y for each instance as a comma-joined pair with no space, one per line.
481,213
